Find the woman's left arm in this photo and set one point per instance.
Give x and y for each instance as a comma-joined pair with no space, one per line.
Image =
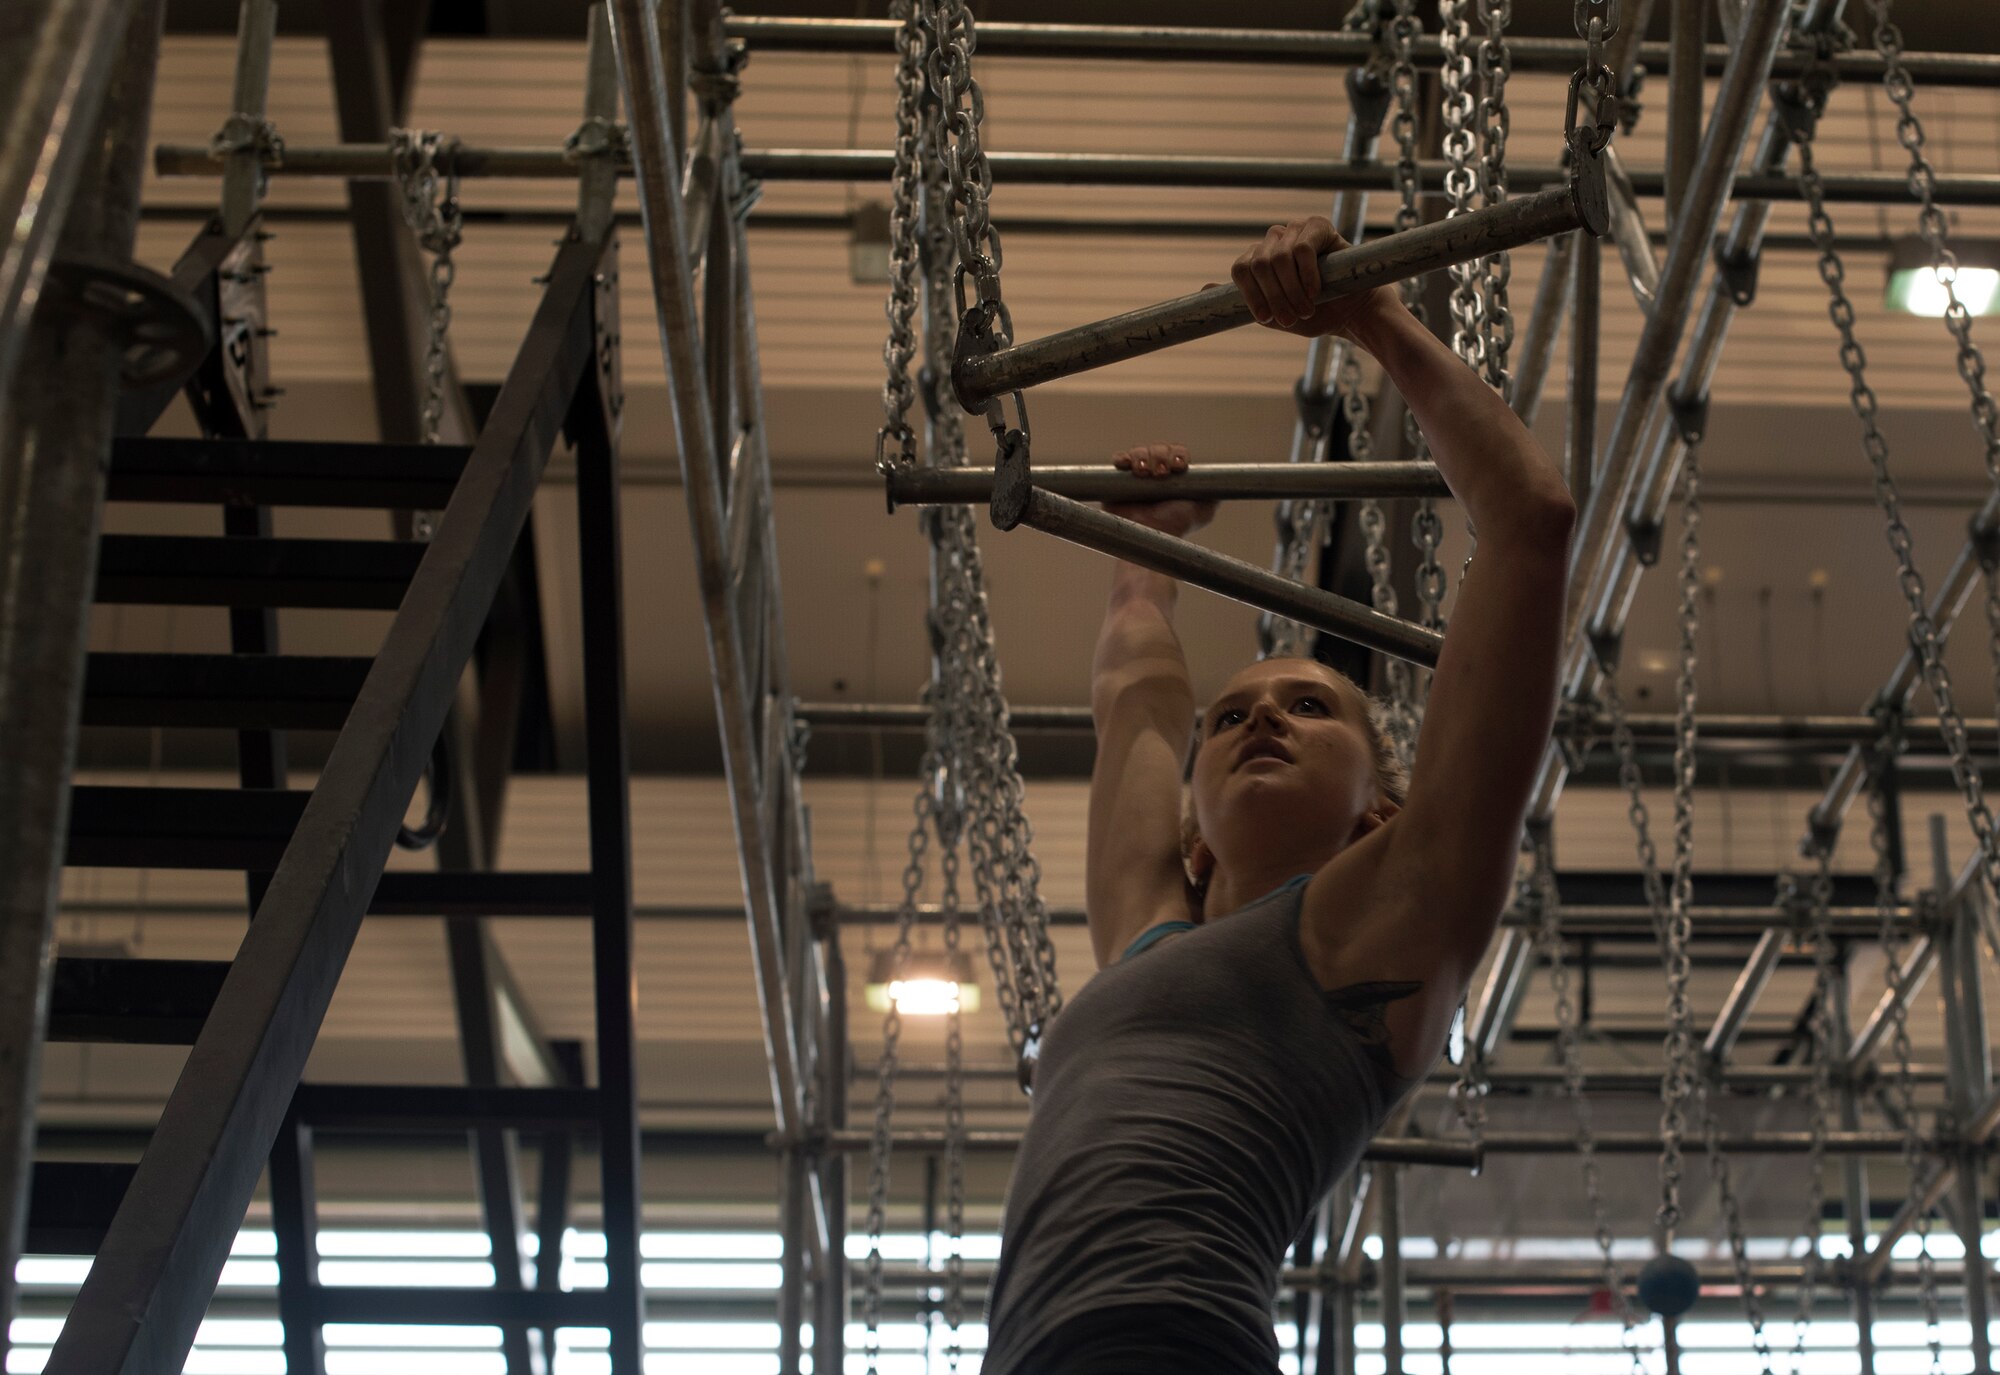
1445,864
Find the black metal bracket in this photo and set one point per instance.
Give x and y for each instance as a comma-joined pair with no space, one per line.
1646,536
1316,408
1690,414
1012,485
1985,544
1738,272
1368,97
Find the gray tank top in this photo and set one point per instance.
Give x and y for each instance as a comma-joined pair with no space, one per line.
1193,1103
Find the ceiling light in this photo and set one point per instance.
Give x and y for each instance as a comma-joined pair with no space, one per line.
1917,286
929,984
868,244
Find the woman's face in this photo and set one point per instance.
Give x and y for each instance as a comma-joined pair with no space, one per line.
1286,741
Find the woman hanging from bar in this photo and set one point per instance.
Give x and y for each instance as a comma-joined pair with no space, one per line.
1282,951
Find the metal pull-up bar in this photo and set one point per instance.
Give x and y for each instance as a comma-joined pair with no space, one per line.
1581,204
911,486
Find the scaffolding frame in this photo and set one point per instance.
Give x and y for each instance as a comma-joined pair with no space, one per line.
693,188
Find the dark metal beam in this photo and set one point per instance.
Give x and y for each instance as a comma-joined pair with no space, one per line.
593,429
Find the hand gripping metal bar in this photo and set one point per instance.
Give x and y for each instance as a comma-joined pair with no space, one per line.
978,378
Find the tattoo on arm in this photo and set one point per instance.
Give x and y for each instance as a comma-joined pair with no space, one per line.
1362,1007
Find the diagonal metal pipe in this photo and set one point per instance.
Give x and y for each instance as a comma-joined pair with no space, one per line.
636,35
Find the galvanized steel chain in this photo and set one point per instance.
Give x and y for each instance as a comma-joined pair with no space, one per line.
1537,897
1496,270
1678,1081
432,211
1460,181
1597,23
906,185
1931,224
954,1117
1800,108
1404,28
1917,1163
978,742
1627,750
1732,1222
885,1069
1820,1093
961,106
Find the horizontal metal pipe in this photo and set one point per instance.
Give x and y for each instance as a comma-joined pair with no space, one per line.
1230,577
1433,1151
1748,1078
1602,922
371,161
1719,730
1208,482
1337,47
1404,1150
978,378
1452,1274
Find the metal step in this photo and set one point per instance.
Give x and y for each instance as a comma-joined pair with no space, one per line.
244,472
219,570
240,691
132,1001
70,1205
182,828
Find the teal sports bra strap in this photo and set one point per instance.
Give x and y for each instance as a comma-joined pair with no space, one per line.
1152,934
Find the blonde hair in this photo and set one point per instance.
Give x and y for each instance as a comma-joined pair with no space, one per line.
1392,776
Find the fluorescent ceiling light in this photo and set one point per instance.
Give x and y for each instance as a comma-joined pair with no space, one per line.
928,984
1917,287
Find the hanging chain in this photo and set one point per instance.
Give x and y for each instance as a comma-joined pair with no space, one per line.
905,194
1496,64
1536,896
1800,106
1821,1093
432,211
985,763
1404,29
1917,1164
1460,181
1678,1080
1596,23
1931,224
961,110
954,1120
885,1072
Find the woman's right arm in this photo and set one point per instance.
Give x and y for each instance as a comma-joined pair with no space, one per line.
1143,705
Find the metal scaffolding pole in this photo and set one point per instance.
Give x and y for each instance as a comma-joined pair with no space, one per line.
361,161
1854,1176
53,63
1303,46
55,448
1970,1082
637,37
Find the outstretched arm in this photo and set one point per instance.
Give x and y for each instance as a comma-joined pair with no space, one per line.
1445,864
1143,707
